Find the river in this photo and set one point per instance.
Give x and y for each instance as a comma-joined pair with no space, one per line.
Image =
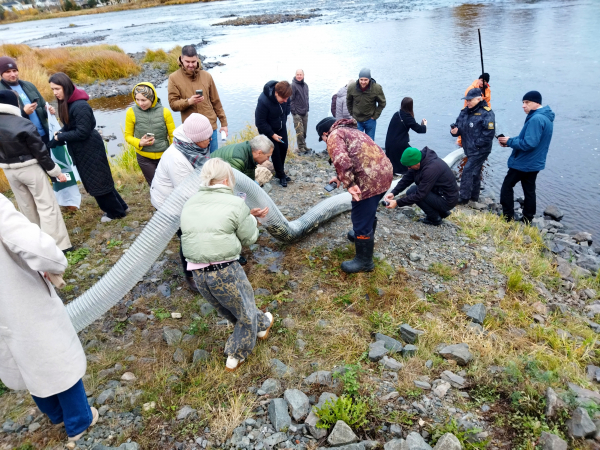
425,49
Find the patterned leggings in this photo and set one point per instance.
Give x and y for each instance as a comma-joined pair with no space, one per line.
230,292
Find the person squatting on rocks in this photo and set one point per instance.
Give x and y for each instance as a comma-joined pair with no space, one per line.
366,173
340,110
148,128
39,349
212,247
528,157
190,150
31,102
184,89
482,83
27,164
397,139
245,156
435,190
270,118
365,101
299,106
86,146
476,126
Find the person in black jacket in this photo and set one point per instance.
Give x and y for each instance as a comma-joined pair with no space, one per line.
397,140
435,190
270,117
26,162
85,146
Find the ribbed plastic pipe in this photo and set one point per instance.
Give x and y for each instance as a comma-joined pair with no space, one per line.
153,240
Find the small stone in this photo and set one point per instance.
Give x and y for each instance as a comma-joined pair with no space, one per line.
477,313
128,376
429,364
377,351
448,442
261,292
409,350
396,430
105,396
311,424
455,380
395,444
321,323
324,398
590,293
391,396
279,369
409,334
172,336
390,364
275,439
179,356
422,385
278,414
553,212
391,344
549,441
103,410
583,236
341,434
414,256
70,445
414,441
300,345
185,412
175,315
457,352
165,290
148,406
138,318
271,386
321,377
298,403
580,425
200,355
206,309
441,389
288,323
34,427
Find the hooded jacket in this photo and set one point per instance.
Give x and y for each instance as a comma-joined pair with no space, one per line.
358,160
183,85
341,105
156,119
270,116
530,148
433,175
299,99
86,146
20,143
239,156
364,105
32,92
476,127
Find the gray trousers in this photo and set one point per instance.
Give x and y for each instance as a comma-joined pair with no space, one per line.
300,124
230,292
470,182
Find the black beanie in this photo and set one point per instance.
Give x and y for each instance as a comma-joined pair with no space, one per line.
533,96
9,97
324,126
485,77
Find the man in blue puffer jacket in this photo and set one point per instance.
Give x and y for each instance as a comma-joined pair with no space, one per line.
528,157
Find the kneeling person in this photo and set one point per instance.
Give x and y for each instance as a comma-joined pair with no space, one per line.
435,190
245,156
212,247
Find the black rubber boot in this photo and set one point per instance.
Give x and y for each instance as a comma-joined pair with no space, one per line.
363,261
350,235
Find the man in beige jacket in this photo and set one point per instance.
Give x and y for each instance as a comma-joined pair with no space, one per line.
193,90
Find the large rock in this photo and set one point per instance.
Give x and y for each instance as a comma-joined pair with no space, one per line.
414,441
553,212
589,263
395,444
448,442
321,377
477,313
457,352
580,425
105,396
326,397
341,434
455,380
583,236
377,351
585,393
200,355
185,412
298,402
391,344
279,369
311,424
549,441
278,414
274,439
409,334
272,387
553,403
172,336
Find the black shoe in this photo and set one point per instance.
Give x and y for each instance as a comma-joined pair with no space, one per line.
283,182
525,220
191,284
463,201
363,261
70,249
243,261
428,221
287,178
445,214
350,234
474,199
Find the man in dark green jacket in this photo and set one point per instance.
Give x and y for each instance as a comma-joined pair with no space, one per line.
245,156
31,102
365,101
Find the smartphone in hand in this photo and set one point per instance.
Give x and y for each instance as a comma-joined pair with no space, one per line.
331,186
499,136
199,92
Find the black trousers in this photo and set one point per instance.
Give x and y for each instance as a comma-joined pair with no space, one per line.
507,196
112,204
280,153
363,214
186,272
470,182
432,205
148,167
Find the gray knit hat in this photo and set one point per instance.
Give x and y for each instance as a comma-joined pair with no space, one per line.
365,73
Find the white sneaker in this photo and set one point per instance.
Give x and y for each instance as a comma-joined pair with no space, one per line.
233,363
262,335
105,219
95,417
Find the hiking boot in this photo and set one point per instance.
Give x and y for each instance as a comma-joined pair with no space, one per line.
463,201
283,182
445,214
350,235
232,363
431,221
191,284
363,261
262,335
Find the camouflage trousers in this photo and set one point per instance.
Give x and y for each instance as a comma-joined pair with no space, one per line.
300,124
230,292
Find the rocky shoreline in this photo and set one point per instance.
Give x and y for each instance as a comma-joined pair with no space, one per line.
267,19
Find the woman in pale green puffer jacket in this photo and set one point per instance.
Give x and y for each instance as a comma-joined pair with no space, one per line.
215,224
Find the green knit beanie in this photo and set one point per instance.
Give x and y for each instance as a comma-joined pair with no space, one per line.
411,156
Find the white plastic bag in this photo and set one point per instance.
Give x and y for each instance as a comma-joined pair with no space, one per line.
67,194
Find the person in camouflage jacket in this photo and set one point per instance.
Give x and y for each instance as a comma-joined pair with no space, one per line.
366,172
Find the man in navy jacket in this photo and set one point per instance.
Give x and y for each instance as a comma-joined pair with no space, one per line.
528,157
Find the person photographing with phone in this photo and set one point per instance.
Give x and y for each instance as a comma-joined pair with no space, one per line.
365,171
148,128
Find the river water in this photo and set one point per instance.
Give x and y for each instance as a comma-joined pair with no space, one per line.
425,49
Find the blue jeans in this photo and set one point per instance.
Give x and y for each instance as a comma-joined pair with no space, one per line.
70,407
214,144
363,214
368,127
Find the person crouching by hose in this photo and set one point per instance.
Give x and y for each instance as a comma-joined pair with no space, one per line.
435,190
212,247
367,174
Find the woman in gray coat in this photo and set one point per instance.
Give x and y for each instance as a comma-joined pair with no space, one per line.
39,348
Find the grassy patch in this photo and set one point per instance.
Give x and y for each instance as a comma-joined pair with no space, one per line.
160,56
77,255
443,270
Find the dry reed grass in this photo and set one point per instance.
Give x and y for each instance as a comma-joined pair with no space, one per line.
4,186
160,56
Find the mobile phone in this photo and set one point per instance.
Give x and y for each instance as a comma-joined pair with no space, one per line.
331,186
35,100
242,195
199,92
499,136
385,203
150,134
453,125
68,175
